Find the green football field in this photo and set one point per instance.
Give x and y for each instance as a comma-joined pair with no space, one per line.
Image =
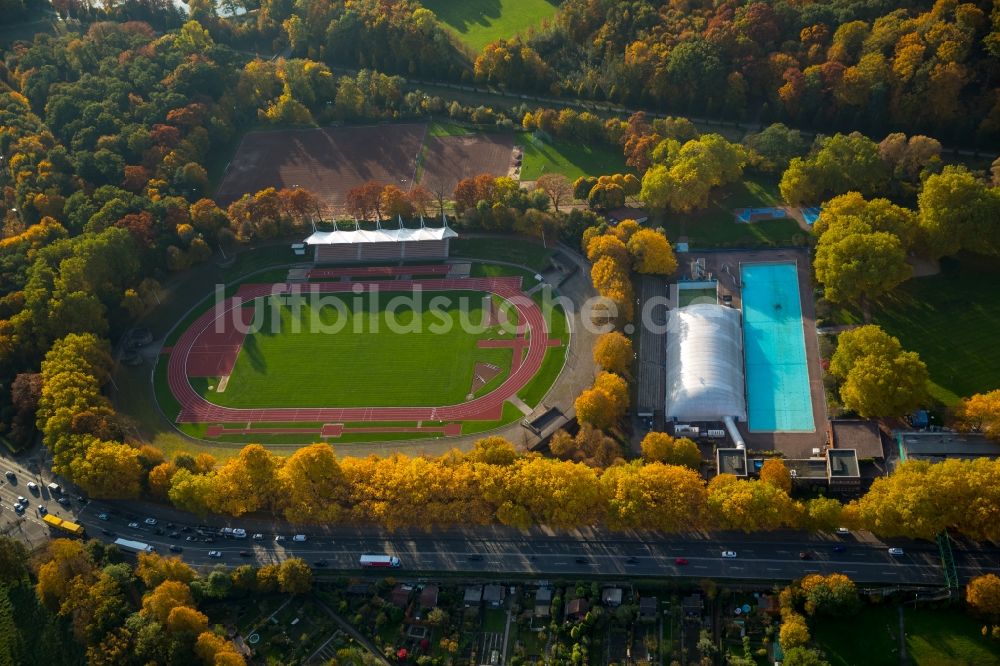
478,22
364,363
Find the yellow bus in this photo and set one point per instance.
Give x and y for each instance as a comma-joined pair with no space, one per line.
64,525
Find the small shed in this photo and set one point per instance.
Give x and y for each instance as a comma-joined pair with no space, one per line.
543,601
493,595
429,596
473,595
648,608
611,597
400,595
577,609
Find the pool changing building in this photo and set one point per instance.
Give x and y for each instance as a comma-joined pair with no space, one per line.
705,367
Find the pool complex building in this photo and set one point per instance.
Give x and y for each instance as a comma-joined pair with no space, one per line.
727,366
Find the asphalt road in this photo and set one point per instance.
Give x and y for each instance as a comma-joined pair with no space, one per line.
495,550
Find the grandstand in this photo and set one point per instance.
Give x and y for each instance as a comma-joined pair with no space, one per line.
402,244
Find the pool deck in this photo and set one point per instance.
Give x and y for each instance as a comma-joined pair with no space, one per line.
725,267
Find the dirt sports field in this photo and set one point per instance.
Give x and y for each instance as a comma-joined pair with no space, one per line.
331,161
449,159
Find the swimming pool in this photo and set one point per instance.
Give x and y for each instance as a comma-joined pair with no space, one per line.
774,350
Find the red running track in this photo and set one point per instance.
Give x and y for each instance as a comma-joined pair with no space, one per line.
368,271
195,409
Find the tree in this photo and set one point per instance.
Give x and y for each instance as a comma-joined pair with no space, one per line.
661,447
959,211
312,484
982,593
774,147
109,470
801,656
153,569
794,631
854,264
981,412
833,594
651,253
654,496
613,352
879,378
750,505
608,246
183,619
775,473
365,200
295,576
837,164
557,186
168,595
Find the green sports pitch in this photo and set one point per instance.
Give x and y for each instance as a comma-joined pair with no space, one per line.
361,361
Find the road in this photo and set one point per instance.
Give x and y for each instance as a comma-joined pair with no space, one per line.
480,551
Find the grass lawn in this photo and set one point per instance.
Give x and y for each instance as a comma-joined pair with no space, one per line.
868,638
478,22
952,320
947,638
360,365
716,226
513,250
570,158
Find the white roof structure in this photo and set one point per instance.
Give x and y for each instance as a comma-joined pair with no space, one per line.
705,364
400,235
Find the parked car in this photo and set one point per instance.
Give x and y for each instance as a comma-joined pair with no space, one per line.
896,552
21,500
32,486
843,531
680,561
10,475
150,521
19,509
189,538
299,537
278,537
133,526
103,516
214,553
729,554
258,536
64,501
106,532
174,548
174,535
42,510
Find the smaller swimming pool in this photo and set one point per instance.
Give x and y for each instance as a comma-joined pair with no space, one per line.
774,350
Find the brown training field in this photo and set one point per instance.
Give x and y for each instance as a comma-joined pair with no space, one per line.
326,161
449,159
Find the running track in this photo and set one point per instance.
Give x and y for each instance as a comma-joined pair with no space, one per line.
195,409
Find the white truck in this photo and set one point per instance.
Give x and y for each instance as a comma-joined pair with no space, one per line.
379,561
233,532
134,546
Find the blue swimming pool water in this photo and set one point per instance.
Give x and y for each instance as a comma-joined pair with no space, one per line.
774,350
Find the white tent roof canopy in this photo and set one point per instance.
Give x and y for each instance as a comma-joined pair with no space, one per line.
705,364
401,235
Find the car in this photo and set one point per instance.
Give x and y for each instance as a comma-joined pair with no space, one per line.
278,537
299,537
631,560
258,536
103,516
64,501
189,538
246,553
170,526
215,553
186,528
159,530
81,499
843,531
729,554
896,552
150,521
174,548
106,532
805,555
838,548
21,500
133,526
680,561
208,540
32,486
42,510
174,535
10,475
19,509
320,563
581,560
474,558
